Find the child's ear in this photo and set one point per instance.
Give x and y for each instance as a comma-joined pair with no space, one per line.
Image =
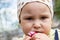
19,19
52,22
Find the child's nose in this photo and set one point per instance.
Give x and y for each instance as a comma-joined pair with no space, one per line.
37,24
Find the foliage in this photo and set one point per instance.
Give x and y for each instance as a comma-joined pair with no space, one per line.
57,8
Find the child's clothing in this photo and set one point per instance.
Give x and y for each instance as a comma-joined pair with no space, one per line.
53,35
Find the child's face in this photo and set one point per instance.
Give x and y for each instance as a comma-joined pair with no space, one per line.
36,17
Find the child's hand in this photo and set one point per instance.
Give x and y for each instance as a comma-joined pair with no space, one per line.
27,38
40,36
37,36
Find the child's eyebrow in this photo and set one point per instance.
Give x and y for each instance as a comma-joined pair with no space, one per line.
26,14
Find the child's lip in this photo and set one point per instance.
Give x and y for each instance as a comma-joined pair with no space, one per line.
38,32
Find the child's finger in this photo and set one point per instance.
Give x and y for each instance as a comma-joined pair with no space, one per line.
27,38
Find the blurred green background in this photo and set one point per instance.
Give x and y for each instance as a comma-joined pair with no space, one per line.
57,9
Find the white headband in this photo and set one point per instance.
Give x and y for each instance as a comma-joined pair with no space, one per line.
21,3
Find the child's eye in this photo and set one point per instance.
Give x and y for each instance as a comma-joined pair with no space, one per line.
43,18
29,18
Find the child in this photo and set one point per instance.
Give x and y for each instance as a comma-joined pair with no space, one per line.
36,16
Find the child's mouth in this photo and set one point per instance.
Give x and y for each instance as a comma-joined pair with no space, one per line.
31,33
38,32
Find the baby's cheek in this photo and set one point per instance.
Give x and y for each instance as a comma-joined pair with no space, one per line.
26,29
46,29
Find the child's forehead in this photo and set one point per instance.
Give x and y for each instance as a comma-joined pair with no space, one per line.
32,7
36,5
23,3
